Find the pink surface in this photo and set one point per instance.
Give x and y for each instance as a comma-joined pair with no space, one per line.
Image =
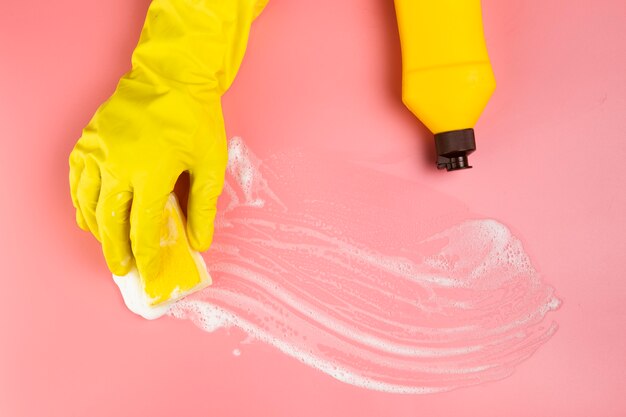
314,262
325,74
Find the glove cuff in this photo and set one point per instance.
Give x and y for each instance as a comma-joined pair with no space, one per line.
195,42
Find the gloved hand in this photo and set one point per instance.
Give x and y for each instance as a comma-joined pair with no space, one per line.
164,118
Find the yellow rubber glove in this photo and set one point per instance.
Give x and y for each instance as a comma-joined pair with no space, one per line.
164,118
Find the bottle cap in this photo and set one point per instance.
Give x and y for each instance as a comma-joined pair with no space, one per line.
453,147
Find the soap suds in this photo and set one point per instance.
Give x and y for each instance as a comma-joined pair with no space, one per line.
365,278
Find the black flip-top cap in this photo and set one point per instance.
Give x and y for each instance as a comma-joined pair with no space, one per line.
453,147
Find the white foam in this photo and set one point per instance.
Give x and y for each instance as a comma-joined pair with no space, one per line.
456,309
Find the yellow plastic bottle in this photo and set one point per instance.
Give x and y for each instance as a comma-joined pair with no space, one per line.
446,74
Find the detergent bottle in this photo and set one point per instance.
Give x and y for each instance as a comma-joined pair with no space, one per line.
446,74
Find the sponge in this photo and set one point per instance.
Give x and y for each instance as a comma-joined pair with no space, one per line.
182,270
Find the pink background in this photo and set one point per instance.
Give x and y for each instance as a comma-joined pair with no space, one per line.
550,165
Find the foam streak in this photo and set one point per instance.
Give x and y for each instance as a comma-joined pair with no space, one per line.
455,309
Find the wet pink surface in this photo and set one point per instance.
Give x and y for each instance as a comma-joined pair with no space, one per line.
323,75
315,263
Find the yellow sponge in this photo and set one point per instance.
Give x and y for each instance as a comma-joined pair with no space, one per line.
182,270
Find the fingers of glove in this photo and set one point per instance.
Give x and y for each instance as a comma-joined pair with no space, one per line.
113,216
80,221
207,181
87,194
146,222
206,185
